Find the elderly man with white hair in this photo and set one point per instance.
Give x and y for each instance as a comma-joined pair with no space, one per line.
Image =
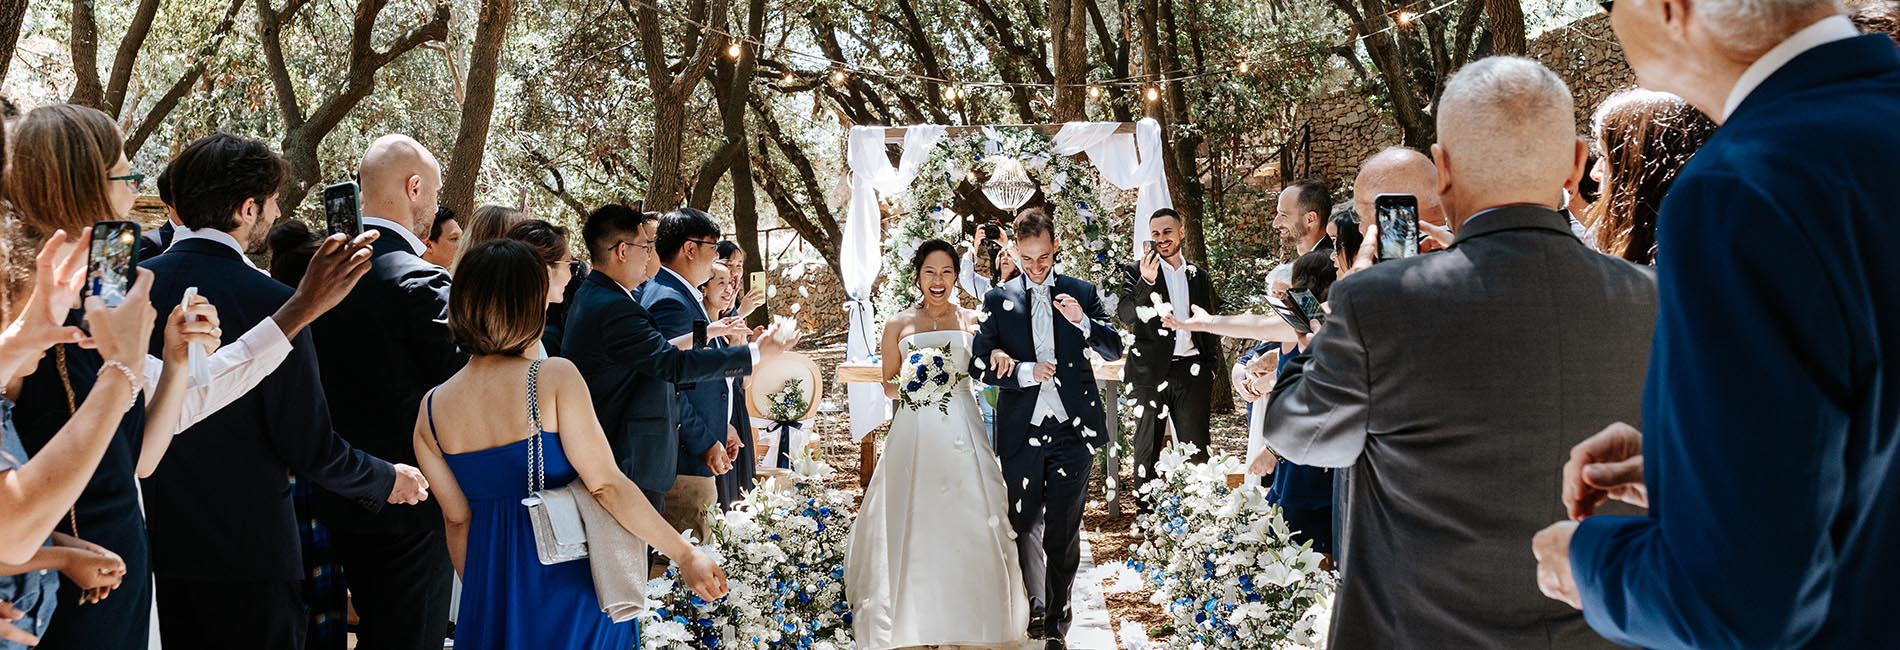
1443,380
1773,401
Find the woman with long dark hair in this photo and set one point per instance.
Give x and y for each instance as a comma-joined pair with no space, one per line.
1646,138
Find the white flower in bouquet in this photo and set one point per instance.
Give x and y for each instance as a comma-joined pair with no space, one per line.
929,377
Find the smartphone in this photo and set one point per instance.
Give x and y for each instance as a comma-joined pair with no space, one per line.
111,262
1292,316
1398,225
342,209
1307,303
758,281
699,334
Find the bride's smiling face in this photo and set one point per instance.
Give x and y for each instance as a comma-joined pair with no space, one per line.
937,277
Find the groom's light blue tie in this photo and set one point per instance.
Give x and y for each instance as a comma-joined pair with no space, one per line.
1042,327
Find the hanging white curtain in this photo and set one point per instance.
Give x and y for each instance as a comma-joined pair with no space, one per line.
861,252
1130,162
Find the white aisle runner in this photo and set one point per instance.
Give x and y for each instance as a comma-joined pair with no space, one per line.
1090,630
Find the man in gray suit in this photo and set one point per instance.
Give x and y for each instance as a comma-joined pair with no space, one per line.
1448,381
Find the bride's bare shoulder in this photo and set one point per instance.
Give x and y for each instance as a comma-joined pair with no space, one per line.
900,321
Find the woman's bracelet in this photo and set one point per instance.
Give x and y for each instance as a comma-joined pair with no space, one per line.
130,378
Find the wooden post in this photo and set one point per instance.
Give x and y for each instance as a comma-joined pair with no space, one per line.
867,459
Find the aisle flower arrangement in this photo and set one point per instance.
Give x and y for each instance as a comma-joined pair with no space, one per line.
1223,563
783,554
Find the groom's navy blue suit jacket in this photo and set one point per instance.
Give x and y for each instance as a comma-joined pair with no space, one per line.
1007,328
1772,412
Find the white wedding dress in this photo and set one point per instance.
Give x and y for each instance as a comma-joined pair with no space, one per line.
932,560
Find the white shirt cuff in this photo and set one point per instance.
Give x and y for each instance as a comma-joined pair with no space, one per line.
235,370
1084,326
1026,374
753,348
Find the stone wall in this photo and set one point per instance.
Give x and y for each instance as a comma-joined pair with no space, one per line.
818,294
1346,128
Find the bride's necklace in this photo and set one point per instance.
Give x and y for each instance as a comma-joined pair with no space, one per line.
936,323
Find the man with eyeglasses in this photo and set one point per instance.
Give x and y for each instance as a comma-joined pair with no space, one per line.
631,368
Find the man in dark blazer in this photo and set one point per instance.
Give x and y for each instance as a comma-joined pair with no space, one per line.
1049,419
630,367
687,242
1171,372
1771,418
224,535
381,349
1446,381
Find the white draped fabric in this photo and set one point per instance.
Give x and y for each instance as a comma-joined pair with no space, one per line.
1130,162
872,174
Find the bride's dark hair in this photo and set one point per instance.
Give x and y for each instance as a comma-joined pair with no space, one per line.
933,246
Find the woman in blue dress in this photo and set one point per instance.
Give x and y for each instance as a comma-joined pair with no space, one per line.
472,440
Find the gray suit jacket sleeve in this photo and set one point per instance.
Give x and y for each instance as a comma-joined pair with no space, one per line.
1319,419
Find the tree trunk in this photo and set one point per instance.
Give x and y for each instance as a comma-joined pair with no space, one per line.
1505,20
128,55
12,15
672,91
478,107
1068,33
87,90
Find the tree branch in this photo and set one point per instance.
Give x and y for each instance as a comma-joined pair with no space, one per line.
167,102
85,49
128,55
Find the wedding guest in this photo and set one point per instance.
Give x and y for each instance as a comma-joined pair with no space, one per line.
489,222
550,242
68,170
379,350
1304,492
976,280
629,365
229,571
1402,170
1300,215
1453,495
480,462
1171,371
1778,324
1346,235
155,241
686,242
746,299
445,238
557,312
721,290
36,492
1647,138
292,243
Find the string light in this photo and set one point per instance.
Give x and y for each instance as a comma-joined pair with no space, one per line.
1095,92
1153,93
733,51
1406,18
1245,67
789,77
837,77
952,93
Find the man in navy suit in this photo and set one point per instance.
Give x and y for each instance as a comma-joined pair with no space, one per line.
688,246
630,367
1049,420
1772,453
380,350
229,564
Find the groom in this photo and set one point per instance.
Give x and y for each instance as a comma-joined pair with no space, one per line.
1049,416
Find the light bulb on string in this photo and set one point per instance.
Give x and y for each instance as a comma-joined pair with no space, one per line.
837,77
789,77
1095,92
733,51
1153,94
1245,67
1406,18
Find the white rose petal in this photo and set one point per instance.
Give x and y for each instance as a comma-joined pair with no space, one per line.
1194,370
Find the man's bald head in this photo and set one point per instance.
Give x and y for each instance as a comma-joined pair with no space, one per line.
400,181
1398,170
1506,135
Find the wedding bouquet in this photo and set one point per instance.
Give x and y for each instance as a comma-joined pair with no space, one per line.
788,402
929,378
1223,562
783,554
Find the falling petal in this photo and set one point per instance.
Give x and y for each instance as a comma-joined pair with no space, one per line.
1163,386
1009,305
804,291
1194,370
771,291
1035,443
796,307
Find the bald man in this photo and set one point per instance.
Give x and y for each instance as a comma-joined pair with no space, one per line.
380,350
1400,170
1445,381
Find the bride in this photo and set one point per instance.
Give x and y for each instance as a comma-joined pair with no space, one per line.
932,560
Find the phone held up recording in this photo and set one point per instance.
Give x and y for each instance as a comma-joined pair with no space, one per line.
343,209
1398,225
111,262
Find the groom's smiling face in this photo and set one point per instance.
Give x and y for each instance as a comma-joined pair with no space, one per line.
1036,255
